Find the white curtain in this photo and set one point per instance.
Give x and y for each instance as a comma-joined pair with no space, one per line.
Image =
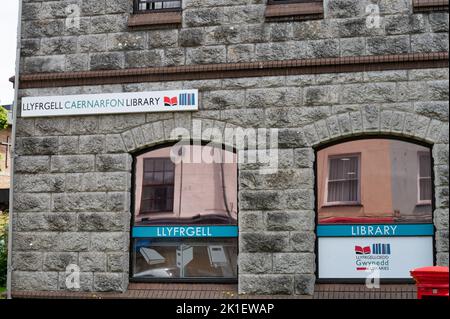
343,179
425,176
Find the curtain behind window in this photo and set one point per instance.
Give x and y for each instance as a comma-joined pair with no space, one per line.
343,179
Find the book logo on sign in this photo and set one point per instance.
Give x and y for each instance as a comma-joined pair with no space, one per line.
184,99
374,256
362,250
168,101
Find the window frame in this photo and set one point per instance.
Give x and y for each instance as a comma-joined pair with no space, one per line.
358,189
427,6
419,178
323,146
294,10
136,9
275,2
134,201
144,185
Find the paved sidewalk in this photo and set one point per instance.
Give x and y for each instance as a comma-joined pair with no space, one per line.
226,291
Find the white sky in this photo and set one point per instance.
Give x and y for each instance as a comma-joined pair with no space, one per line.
8,33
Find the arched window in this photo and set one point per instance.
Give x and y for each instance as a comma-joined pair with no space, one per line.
185,213
374,206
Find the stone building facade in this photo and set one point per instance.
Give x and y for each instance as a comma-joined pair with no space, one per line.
73,175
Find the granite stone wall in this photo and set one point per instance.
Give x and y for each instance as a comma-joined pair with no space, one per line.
216,32
73,174
72,200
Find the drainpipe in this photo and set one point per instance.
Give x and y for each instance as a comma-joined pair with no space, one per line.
12,150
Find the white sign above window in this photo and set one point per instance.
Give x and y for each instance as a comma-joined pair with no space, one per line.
111,103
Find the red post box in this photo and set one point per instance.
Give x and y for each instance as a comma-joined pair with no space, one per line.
431,281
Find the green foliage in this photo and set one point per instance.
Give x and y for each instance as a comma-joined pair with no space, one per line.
3,247
3,118
3,217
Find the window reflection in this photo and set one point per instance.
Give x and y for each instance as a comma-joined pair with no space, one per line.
424,182
343,180
171,259
190,186
189,191
374,181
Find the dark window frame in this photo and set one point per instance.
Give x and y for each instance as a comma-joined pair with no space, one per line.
426,6
132,240
420,178
271,2
137,3
293,10
320,147
169,187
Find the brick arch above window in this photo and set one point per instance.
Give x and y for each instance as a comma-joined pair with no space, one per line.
180,126
371,120
368,121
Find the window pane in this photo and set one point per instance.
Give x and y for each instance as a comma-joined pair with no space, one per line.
389,180
343,179
343,168
142,6
158,178
145,5
425,165
185,258
194,190
336,169
172,4
148,193
145,205
352,168
159,165
169,166
343,191
169,204
149,165
188,192
425,189
168,178
160,193
148,178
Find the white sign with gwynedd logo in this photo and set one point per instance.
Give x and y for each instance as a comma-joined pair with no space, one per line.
111,103
393,257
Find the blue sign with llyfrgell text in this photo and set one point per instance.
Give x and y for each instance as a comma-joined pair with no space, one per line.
184,231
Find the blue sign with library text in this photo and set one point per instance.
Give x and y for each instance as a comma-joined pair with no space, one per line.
184,231
375,230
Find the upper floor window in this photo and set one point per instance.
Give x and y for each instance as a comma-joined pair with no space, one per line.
290,1
420,6
424,178
294,10
156,5
157,185
343,180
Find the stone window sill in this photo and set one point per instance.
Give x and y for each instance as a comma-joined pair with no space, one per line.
430,5
155,19
294,11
